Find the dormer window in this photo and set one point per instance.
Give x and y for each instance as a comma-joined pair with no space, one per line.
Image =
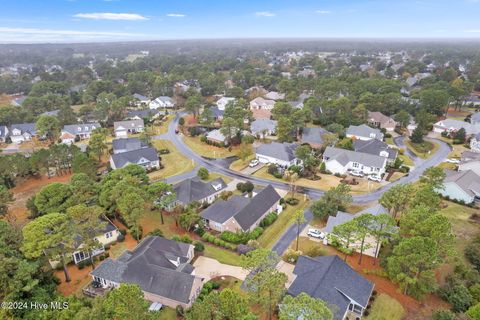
217,186
372,135
79,129
86,128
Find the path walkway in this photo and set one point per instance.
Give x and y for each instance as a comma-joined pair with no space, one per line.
209,268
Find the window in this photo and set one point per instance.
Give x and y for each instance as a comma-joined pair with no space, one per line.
355,165
108,235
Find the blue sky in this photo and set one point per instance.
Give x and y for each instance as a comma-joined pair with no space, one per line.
115,20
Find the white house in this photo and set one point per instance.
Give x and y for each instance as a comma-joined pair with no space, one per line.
223,101
162,102
282,154
22,132
260,103
364,132
123,128
145,157
81,130
451,125
141,100
341,161
4,132
475,143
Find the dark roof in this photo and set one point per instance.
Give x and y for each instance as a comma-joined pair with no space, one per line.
157,265
222,210
344,156
313,135
81,128
466,180
217,113
124,158
140,97
282,151
128,144
25,127
330,279
194,189
144,114
374,146
365,131
128,124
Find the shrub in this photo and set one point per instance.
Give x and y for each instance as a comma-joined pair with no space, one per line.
217,241
245,187
315,252
291,256
268,220
134,234
443,315
203,173
156,232
184,239
179,309
244,249
199,247
205,236
458,296
123,231
121,238
472,253
272,169
292,201
200,231
257,232
203,138
231,237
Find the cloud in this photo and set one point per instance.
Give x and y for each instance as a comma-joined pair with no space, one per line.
111,16
323,11
265,14
176,15
472,31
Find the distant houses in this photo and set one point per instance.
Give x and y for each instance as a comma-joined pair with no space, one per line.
223,101
452,125
313,137
22,132
162,102
461,186
379,120
260,103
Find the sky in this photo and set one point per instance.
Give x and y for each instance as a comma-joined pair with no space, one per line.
38,21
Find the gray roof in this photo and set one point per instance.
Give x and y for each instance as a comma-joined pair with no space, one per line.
25,127
146,113
374,146
313,135
259,125
365,131
466,180
194,189
217,113
330,279
122,159
246,211
128,124
127,144
344,156
150,265
469,155
140,97
475,117
80,128
447,124
3,131
216,134
53,113
282,151
343,217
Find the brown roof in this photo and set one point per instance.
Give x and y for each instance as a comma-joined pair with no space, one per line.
261,114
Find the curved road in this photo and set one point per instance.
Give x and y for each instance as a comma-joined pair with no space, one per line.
214,166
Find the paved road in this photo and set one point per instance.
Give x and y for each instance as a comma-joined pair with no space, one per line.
400,142
291,234
215,166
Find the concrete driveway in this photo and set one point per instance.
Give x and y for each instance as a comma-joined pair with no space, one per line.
287,268
251,170
209,268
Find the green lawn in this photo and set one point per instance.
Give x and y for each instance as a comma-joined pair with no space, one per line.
389,141
423,150
174,163
273,232
207,150
222,255
240,164
167,314
385,307
214,175
406,160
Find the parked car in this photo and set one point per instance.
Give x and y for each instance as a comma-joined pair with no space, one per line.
375,178
253,163
356,173
315,233
455,161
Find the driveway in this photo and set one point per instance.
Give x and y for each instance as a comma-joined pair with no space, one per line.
291,234
209,268
286,268
251,170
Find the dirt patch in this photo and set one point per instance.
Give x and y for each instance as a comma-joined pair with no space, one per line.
80,277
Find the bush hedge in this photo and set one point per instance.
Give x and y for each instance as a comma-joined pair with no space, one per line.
268,220
219,242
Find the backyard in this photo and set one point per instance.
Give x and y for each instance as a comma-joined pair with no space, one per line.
174,163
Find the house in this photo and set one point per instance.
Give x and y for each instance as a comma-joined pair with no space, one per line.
159,266
196,190
473,165
217,113
145,157
162,102
475,143
216,136
307,73
282,154
18,101
261,103
469,156
3,133
123,128
364,132
411,81
273,95
379,120
141,100
223,101
472,100
82,130
341,161
475,118
376,147
451,125
263,127
22,132
144,114
127,144
242,213
461,186
313,136
332,280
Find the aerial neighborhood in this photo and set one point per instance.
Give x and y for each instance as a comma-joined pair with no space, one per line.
261,181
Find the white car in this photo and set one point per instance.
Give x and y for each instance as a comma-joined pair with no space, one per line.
455,161
375,178
315,233
253,163
356,173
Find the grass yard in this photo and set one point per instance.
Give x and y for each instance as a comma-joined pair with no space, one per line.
239,165
163,127
214,175
222,255
305,245
423,150
167,314
273,232
447,165
207,150
152,220
396,176
385,307
406,160
174,163
389,141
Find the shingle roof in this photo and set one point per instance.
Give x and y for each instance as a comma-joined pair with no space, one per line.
282,151
374,147
146,113
344,156
128,124
194,189
343,217
364,131
127,144
222,210
216,135
124,158
467,180
448,124
140,97
330,279
25,127
259,125
81,128
313,135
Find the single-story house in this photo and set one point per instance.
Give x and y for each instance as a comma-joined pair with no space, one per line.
81,130
473,165
22,132
475,143
144,114
261,103
364,132
217,113
145,157
376,147
472,100
332,280
127,144
263,127
242,213
452,125
469,156
273,95
223,101
341,161
3,133
379,120
282,154
123,128
216,136
141,100
462,186
196,190
161,268
161,102
313,136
